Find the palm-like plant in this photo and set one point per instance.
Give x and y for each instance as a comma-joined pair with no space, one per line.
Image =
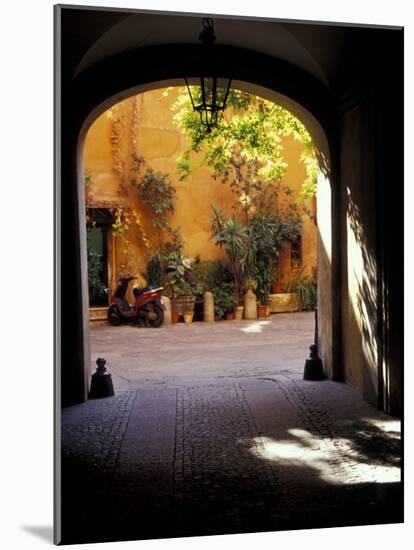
263,231
231,235
269,233
253,250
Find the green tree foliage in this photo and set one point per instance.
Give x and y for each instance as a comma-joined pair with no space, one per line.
245,152
247,141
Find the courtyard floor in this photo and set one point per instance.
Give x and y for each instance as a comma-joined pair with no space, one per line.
212,430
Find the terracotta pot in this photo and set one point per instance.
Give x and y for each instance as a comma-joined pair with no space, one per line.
188,316
277,288
238,313
174,317
261,311
229,316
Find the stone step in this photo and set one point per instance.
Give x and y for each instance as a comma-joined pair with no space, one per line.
283,303
98,313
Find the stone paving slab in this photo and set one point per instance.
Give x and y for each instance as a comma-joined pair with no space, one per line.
225,449
176,353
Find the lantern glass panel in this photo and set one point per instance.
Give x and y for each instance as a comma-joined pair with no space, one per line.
214,92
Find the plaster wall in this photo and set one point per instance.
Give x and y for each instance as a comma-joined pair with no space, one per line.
143,124
361,349
324,279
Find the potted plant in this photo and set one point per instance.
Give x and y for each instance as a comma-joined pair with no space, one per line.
224,299
263,231
201,279
306,291
177,281
232,236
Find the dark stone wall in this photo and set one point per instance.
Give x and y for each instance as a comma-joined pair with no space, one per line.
358,213
361,114
371,215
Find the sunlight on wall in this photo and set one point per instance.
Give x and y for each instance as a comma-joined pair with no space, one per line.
324,213
362,287
355,268
324,223
257,326
307,451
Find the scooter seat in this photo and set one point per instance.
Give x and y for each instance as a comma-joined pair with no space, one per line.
138,291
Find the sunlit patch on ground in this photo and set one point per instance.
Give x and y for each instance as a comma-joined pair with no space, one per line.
367,454
256,326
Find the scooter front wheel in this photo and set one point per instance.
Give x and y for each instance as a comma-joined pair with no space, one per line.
157,321
114,316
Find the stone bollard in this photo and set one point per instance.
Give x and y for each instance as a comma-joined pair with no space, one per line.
208,307
101,385
250,305
313,365
167,311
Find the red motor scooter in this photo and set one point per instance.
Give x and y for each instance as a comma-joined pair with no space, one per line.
148,309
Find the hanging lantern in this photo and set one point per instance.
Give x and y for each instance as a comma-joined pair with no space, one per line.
209,95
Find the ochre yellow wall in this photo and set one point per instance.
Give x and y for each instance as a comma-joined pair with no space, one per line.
143,124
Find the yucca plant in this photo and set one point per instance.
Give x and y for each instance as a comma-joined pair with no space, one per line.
233,237
306,291
266,234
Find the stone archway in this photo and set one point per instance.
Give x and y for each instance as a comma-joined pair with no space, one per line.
324,193
313,108
355,116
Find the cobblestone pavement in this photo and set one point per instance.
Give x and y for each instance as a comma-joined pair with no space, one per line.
224,448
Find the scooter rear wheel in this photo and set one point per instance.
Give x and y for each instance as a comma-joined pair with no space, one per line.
114,316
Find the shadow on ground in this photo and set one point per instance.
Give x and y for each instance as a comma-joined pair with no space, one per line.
224,481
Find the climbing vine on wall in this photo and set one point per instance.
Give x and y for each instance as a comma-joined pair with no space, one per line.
156,191
136,178
117,126
126,217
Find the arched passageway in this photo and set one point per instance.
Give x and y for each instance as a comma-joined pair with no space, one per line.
355,116
157,59
125,120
